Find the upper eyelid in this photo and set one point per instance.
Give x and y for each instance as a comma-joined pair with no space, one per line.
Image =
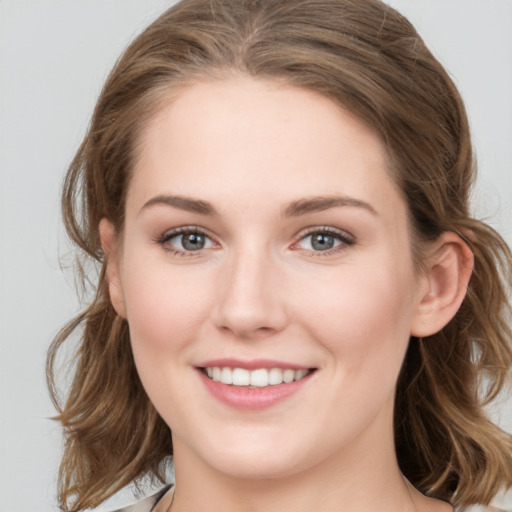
167,235
164,239
170,233
324,229
346,240
304,232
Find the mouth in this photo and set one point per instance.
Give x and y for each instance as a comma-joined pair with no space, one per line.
257,378
253,385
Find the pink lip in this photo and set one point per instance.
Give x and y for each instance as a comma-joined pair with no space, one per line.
252,399
254,364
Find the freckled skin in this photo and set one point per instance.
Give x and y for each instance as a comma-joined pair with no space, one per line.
259,290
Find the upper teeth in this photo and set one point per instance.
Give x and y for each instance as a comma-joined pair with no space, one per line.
258,378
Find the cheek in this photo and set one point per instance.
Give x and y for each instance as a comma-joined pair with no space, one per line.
166,310
363,319
165,306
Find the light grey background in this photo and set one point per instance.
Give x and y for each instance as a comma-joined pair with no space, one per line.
54,56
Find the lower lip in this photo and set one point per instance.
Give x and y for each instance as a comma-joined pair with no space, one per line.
252,399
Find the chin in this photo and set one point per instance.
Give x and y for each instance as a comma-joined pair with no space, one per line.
260,466
262,455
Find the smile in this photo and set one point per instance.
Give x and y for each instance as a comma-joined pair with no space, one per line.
252,385
258,378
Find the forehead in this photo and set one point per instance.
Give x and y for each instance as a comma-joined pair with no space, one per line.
242,137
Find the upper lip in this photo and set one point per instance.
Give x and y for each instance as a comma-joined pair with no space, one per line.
252,364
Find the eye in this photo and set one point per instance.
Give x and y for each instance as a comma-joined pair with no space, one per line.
186,240
324,240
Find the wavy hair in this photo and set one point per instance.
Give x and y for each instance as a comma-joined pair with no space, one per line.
366,57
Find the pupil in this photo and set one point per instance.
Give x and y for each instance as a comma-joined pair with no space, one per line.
193,241
322,242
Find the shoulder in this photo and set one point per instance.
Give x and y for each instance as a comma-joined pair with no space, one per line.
147,504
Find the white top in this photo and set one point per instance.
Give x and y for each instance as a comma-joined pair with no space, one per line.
147,504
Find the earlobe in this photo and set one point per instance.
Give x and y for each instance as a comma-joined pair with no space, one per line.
445,282
109,243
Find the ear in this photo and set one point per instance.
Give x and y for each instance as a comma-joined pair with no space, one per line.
443,285
109,243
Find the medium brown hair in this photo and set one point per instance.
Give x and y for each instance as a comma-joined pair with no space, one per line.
366,57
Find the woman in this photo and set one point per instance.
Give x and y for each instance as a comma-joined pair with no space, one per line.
294,301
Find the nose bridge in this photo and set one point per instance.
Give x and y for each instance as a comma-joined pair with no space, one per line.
250,303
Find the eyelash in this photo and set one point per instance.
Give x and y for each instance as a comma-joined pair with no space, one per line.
184,230
345,240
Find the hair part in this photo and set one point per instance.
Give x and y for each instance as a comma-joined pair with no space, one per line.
368,59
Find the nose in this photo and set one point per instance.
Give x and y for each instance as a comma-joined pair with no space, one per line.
251,304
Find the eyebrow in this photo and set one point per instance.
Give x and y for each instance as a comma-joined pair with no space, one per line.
321,203
188,204
293,209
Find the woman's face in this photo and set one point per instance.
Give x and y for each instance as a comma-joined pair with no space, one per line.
265,241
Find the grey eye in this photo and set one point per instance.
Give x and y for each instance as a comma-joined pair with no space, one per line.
322,241
193,241
190,241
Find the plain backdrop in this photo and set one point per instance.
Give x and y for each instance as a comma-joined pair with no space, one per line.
54,57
